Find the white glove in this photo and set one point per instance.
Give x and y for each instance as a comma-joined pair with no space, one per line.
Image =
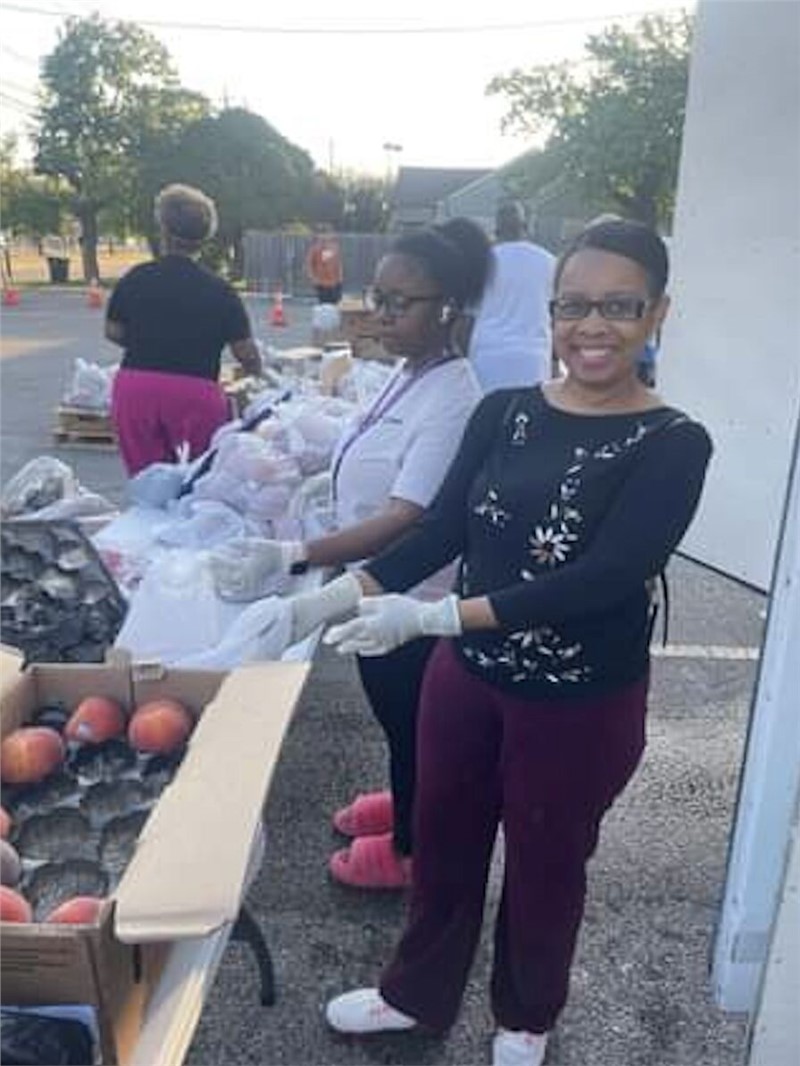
243,569
386,622
333,601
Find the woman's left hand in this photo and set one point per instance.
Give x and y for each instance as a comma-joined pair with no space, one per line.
386,622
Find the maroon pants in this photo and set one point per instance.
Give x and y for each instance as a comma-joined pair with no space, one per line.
548,770
154,413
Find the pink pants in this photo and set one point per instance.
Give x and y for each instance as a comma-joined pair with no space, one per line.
154,413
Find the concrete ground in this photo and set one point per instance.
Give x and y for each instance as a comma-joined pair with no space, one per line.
640,989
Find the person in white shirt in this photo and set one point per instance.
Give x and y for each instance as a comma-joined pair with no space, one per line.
386,471
510,343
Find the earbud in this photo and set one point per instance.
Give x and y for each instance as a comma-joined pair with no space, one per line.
447,314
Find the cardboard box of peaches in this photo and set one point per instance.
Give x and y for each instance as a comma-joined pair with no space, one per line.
157,778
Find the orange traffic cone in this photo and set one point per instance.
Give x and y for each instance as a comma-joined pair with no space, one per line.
277,316
11,297
94,296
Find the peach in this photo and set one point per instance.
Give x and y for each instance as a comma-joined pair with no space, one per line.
5,823
80,910
13,906
160,726
95,719
30,754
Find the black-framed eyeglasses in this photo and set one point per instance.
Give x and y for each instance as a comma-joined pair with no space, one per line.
395,303
612,308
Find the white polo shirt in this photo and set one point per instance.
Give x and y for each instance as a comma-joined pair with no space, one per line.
408,439
510,346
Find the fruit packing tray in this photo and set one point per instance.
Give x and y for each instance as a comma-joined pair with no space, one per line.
75,830
58,602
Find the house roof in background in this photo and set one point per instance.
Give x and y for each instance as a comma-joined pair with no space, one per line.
424,186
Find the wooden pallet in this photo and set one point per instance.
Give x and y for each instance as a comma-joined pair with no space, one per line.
86,428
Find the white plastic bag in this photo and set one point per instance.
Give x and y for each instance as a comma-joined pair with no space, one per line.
128,544
90,386
38,484
325,318
312,507
157,484
262,631
175,611
202,524
80,507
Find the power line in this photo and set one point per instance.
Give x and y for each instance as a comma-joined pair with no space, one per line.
17,88
16,105
17,99
29,60
359,31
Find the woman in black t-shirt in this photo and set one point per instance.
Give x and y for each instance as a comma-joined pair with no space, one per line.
173,318
564,502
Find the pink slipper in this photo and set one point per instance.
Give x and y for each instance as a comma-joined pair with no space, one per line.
371,862
370,814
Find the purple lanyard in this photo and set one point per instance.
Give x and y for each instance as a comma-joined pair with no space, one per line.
386,399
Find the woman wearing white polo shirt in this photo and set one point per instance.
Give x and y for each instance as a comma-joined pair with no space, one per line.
386,470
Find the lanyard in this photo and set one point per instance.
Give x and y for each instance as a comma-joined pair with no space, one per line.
386,399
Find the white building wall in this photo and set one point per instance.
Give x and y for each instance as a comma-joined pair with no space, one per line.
776,1029
731,347
731,355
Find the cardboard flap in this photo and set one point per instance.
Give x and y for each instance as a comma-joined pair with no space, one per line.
11,660
187,880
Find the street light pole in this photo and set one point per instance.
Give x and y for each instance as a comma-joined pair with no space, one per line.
389,147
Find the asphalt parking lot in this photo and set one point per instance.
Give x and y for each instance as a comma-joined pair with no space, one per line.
640,990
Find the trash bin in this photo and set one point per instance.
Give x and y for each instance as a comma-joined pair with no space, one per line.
59,269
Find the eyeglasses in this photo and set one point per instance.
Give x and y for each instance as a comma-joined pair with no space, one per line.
394,303
612,308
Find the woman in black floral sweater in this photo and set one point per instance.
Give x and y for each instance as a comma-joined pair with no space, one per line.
563,503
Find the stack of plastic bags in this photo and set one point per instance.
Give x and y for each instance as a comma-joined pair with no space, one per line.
90,387
45,488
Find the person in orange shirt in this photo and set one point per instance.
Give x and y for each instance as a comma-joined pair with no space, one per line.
324,267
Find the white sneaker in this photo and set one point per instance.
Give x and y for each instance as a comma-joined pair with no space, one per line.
515,1047
364,1010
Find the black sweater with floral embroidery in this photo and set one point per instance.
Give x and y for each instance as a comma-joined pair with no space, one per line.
560,519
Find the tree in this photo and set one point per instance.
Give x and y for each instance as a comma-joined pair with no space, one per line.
326,200
617,129
165,116
28,204
348,201
366,208
109,90
257,178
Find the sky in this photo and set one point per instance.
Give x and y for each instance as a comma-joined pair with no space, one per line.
328,81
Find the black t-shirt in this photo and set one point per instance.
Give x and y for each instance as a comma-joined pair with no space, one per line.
560,519
177,316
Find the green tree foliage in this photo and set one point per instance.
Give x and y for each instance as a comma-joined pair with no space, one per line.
326,200
365,204
165,116
109,93
615,125
29,204
257,178
349,202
